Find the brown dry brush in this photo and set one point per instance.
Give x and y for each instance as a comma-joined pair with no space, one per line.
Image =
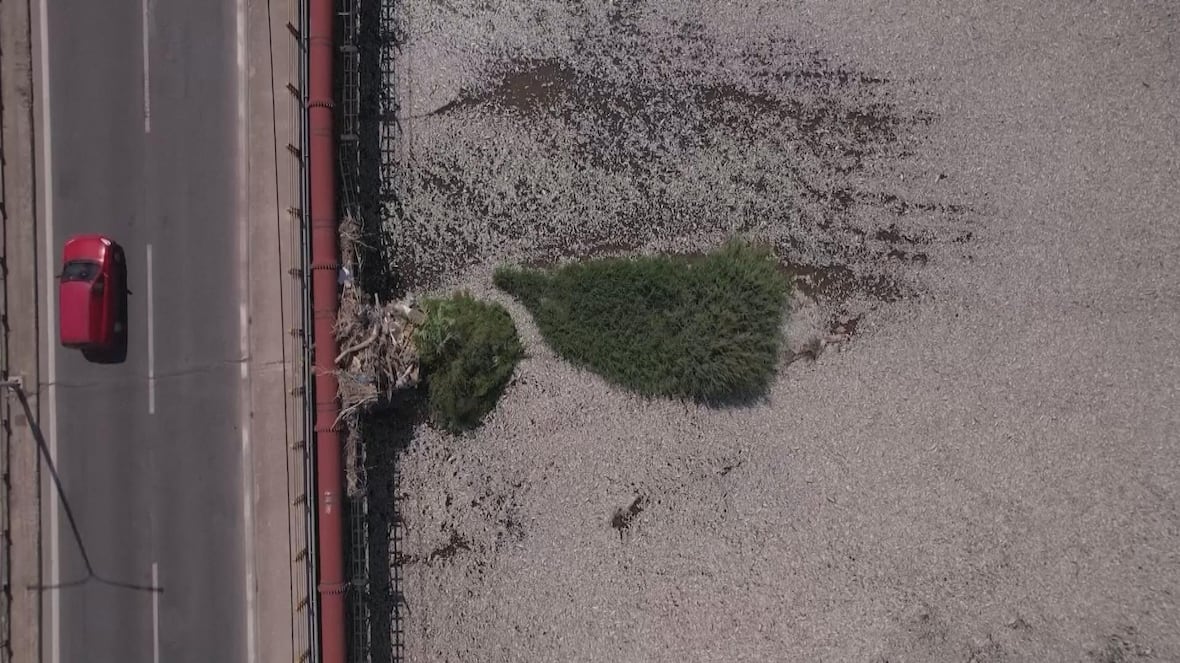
377,354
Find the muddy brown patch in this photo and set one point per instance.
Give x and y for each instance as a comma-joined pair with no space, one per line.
623,518
822,131
834,283
453,547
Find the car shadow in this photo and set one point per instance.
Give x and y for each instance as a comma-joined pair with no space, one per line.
118,353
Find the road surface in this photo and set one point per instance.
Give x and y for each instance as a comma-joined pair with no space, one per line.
143,132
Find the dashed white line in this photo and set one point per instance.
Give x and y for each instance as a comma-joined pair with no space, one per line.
147,78
244,330
155,612
50,332
151,337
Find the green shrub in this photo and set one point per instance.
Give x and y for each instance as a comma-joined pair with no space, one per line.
706,328
467,351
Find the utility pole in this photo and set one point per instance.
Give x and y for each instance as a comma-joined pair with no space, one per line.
17,385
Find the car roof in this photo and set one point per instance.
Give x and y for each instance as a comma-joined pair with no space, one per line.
76,312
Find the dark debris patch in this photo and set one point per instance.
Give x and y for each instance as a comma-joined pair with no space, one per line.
453,547
893,235
838,283
623,518
630,124
782,149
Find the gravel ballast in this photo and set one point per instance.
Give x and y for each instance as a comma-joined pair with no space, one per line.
982,195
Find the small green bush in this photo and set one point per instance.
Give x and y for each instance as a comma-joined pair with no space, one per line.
467,351
706,328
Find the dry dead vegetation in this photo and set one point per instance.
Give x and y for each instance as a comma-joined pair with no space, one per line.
377,356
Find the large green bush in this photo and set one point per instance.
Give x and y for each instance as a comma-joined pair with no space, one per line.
467,351
706,328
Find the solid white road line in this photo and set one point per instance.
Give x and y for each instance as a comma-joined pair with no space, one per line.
50,334
156,612
151,337
243,204
147,95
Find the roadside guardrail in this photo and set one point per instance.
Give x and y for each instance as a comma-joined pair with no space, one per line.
300,456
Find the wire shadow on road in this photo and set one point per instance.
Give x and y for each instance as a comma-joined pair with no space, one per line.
91,574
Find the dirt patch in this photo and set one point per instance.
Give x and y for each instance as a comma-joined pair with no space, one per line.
623,518
654,134
1124,647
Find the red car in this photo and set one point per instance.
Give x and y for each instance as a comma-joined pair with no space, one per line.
92,294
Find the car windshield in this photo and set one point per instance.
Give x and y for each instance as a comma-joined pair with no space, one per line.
79,270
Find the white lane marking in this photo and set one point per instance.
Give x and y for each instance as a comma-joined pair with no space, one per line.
248,536
50,333
147,93
156,612
151,337
244,330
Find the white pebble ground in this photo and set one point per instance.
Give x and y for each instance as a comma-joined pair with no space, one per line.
988,471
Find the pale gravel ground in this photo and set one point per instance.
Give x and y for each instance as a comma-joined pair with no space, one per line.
988,472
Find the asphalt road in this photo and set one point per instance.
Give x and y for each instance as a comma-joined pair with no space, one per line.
150,450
